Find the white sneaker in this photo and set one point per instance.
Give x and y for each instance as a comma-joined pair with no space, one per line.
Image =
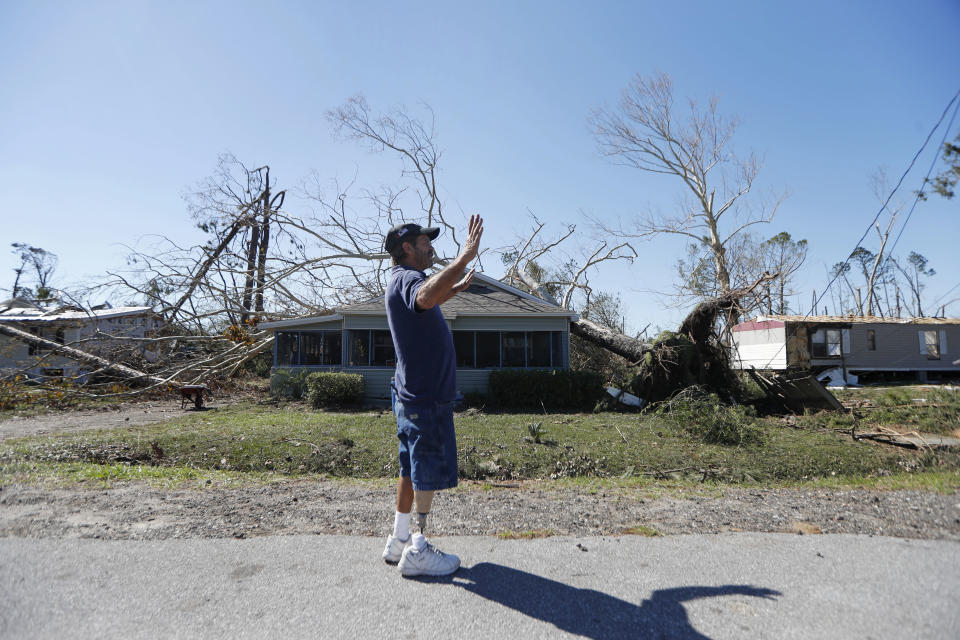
394,548
427,561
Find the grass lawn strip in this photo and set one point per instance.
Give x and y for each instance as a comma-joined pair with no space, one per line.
254,443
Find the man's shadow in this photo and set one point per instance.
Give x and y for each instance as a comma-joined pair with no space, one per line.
591,613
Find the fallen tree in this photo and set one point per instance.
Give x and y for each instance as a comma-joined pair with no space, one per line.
223,358
694,355
83,357
630,348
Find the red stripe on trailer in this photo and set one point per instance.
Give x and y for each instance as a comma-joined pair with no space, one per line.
756,326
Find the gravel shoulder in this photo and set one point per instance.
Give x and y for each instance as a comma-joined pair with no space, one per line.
107,417
141,512
295,507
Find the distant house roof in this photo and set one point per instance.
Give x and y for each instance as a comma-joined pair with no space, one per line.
486,296
16,311
764,321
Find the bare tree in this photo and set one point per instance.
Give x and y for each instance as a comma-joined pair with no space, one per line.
646,132
917,267
259,259
41,264
558,268
783,256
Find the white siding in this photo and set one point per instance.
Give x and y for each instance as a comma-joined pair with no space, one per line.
366,322
376,381
334,325
760,349
473,380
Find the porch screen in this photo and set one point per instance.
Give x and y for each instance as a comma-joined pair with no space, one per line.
288,345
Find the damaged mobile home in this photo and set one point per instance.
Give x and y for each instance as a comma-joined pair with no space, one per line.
95,331
849,347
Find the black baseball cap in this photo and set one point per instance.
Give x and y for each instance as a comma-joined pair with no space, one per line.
407,231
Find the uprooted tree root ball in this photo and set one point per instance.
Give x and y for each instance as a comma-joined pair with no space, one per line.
693,355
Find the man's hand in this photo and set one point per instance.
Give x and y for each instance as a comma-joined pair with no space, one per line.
464,282
472,246
444,285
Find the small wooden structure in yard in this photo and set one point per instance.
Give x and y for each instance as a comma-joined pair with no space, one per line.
193,392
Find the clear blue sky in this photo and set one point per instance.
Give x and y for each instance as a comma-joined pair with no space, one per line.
110,110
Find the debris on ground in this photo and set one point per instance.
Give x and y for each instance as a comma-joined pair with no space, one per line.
795,394
623,397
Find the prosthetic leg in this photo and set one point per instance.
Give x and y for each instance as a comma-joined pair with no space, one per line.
422,501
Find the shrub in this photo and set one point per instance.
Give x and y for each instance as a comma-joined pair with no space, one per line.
13,394
335,389
474,399
285,383
707,418
260,365
536,389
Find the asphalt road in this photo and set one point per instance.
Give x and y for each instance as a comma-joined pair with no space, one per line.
739,585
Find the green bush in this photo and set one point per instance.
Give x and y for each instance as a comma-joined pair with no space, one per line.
335,389
536,389
710,420
474,399
287,383
260,365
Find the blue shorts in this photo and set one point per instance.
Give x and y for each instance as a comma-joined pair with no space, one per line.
428,444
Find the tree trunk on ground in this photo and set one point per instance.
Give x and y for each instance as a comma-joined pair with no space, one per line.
613,341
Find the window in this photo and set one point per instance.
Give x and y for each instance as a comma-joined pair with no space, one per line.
514,351
930,344
332,347
311,348
372,348
488,349
538,349
871,340
383,352
57,335
494,349
288,346
360,348
463,345
825,343
320,348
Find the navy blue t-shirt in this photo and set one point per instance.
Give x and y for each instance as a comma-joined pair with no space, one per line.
426,362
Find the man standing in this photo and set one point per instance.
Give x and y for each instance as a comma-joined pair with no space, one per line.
424,386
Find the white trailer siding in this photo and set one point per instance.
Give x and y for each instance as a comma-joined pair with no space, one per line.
762,348
856,344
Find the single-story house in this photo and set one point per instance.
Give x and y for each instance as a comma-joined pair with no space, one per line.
855,345
70,325
494,326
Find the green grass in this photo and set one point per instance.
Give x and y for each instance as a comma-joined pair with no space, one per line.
642,530
924,408
92,475
588,452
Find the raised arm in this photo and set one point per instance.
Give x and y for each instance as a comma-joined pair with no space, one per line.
450,281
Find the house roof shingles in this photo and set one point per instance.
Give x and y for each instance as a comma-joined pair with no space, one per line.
485,297
478,299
